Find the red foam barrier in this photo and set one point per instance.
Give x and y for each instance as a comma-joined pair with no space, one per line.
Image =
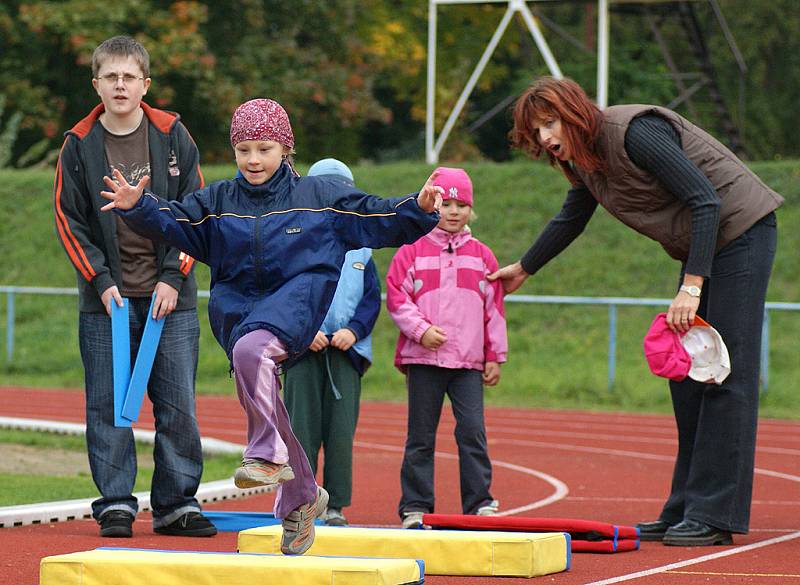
587,535
604,546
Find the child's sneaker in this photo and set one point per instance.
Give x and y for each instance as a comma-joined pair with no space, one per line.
258,472
489,509
412,519
334,517
298,526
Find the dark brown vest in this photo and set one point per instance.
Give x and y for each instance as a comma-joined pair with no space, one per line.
635,198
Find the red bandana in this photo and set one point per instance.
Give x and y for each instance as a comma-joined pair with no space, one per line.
261,119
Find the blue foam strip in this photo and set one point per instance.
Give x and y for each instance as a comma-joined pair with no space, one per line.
237,521
143,365
568,536
121,357
616,537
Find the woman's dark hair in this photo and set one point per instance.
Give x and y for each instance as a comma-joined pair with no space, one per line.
581,121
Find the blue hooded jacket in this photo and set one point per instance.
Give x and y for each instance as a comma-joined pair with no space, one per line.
276,250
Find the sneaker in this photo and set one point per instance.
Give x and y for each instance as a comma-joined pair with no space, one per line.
298,526
258,472
116,524
190,524
412,519
334,517
489,509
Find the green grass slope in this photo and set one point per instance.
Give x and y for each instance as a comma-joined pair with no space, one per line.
558,353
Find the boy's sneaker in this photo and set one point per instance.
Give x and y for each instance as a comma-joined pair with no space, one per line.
412,519
489,509
298,526
116,524
258,472
190,524
334,517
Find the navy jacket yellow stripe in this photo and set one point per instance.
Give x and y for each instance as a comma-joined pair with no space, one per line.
276,250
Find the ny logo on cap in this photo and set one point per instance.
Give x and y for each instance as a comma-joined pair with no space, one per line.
453,192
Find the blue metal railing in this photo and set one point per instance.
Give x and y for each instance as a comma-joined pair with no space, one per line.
611,302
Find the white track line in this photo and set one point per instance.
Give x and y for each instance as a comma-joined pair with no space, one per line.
792,503
634,454
494,433
726,553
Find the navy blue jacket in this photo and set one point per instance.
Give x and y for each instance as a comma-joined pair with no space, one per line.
276,250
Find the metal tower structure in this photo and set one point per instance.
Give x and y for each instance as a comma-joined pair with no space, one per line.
655,11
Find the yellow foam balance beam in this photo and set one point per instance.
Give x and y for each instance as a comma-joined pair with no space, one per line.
445,552
145,567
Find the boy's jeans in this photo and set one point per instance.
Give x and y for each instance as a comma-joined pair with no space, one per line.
177,453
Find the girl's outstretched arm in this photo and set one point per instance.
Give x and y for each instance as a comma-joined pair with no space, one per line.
122,195
180,224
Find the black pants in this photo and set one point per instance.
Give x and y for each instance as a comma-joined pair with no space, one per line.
713,477
427,386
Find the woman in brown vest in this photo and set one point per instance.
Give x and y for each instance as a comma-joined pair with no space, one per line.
671,181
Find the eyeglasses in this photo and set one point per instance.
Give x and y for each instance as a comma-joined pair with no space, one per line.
113,78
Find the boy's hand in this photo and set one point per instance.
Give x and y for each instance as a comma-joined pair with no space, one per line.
320,342
491,373
512,276
122,194
430,196
166,300
111,294
343,339
433,338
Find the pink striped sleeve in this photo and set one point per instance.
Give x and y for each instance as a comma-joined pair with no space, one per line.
400,295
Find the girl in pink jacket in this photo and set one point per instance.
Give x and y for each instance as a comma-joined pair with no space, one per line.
452,341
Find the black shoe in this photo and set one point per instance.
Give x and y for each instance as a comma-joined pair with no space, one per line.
693,533
116,524
652,531
190,524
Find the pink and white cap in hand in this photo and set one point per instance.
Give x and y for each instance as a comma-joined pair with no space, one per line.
710,360
699,353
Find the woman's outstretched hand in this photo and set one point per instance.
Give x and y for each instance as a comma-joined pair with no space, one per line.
122,195
430,196
512,276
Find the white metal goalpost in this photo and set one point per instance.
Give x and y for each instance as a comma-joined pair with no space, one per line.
433,145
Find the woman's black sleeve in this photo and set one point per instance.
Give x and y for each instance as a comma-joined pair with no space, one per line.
653,144
561,230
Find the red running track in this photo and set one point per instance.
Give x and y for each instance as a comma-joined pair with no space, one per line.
611,467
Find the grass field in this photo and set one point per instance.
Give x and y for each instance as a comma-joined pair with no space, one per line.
67,474
558,353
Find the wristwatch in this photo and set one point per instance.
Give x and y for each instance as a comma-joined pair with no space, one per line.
691,290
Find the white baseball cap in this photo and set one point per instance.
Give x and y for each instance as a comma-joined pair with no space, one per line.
710,359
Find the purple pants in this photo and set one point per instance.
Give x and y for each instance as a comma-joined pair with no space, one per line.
269,432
